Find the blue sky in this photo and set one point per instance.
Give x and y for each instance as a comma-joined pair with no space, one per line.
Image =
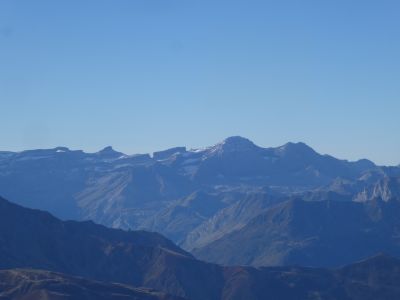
144,75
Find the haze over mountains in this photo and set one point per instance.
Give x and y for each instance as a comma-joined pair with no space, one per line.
312,233
35,239
280,204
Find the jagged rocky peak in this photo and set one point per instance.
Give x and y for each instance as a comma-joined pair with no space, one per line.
108,149
109,152
387,189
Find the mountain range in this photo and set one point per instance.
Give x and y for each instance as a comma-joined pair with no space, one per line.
43,257
313,233
212,199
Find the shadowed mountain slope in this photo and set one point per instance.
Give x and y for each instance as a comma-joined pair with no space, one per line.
373,279
34,239
312,233
20,284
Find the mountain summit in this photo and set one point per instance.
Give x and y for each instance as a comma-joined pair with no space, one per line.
300,149
109,152
235,143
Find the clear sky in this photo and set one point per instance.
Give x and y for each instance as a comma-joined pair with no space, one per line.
144,75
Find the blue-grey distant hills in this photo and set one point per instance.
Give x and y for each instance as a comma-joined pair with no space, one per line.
198,198
312,233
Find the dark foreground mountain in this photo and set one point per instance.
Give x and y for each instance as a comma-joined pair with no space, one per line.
374,279
34,239
311,233
20,284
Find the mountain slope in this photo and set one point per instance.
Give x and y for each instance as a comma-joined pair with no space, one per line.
183,215
31,238
311,233
373,279
229,219
20,284
35,239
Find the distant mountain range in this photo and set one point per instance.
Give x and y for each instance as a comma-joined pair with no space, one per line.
209,200
36,247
